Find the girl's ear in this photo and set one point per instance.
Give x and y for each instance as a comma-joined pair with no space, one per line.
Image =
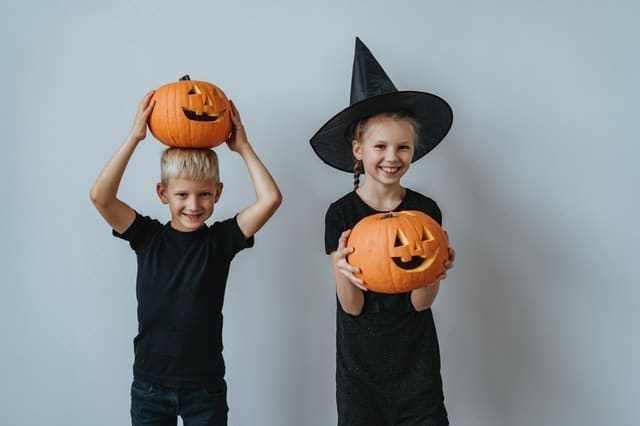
356,148
161,190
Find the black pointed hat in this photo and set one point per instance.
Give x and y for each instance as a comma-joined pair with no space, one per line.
372,92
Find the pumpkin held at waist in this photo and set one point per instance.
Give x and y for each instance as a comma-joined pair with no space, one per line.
398,251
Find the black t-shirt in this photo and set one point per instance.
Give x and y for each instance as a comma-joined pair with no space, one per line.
387,358
180,290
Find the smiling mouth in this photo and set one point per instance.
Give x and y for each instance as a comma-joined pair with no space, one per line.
193,216
390,170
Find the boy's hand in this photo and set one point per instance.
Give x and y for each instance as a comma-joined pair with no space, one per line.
139,129
238,137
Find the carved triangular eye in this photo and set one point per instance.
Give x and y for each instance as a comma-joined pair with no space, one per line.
401,239
194,90
426,235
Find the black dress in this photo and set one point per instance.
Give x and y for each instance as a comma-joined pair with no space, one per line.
387,358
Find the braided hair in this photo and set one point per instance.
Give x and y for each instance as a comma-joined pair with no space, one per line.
357,169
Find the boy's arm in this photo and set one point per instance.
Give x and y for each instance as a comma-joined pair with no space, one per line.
104,192
268,197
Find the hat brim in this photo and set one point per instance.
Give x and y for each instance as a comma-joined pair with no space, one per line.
332,143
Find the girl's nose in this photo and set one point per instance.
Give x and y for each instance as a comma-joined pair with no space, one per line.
391,154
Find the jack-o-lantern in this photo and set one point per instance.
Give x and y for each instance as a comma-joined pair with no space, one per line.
399,251
190,114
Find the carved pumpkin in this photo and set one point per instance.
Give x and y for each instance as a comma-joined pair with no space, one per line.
399,251
190,114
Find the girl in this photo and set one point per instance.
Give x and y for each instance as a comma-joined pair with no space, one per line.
387,358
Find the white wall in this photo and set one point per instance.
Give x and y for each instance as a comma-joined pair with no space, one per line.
536,181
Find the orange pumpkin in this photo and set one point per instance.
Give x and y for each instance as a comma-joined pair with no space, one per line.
190,114
399,251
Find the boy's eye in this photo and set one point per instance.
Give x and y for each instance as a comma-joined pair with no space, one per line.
205,194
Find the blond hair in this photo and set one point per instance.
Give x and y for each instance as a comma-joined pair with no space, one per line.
360,129
190,163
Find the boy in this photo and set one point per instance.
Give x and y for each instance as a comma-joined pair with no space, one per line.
182,273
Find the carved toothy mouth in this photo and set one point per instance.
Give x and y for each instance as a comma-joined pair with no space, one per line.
204,116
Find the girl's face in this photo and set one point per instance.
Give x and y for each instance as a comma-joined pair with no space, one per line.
191,202
386,149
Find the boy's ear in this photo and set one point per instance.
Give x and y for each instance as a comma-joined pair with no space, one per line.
162,193
219,191
356,149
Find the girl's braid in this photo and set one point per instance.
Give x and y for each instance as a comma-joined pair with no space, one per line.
357,168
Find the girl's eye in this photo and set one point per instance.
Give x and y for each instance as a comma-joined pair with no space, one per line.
379,146
404,148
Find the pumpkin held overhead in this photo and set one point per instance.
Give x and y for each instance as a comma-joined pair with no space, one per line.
398,251
190,114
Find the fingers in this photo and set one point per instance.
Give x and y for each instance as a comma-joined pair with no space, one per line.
360,285
146,100
442,276
452,258
343,266
353,279
341,260
348,270
448,264
235,115
342,241
149,108
146,106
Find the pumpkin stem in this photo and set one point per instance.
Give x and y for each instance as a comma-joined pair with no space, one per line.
185,78
388,215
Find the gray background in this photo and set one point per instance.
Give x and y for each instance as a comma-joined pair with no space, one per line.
536,182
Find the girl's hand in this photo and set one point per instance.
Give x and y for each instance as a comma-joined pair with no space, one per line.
139,129
238,136
341,264
448,264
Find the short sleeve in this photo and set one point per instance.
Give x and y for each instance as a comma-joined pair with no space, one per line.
436,214
417,201
334,226
228,237
142,228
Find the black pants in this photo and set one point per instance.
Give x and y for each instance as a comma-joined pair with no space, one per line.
161,406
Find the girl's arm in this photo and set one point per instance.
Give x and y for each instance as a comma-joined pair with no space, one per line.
116,213
268,196
422,298
349,288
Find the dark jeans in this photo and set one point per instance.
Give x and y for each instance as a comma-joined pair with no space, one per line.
161,406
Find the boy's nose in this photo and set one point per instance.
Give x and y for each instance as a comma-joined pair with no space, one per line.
192,203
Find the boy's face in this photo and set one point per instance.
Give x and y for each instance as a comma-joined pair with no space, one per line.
190,201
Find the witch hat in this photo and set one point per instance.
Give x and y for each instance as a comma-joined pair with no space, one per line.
373,92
